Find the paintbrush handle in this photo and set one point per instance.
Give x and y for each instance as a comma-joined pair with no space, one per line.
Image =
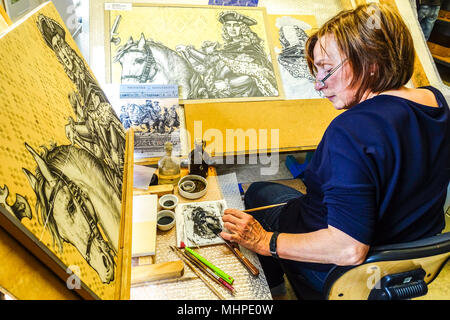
198,274
265,207
253,270
235,249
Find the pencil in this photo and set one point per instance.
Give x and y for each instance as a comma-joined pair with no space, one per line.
265,207
208,272
198,273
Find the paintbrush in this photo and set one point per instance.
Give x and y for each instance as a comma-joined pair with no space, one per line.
235,249
190,265
265,207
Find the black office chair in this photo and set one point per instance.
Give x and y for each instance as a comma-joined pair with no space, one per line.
393,272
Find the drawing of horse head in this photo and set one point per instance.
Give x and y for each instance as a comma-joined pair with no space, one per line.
147,61
76,205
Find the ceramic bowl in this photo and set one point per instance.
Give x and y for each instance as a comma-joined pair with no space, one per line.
165,215
189,193
168,201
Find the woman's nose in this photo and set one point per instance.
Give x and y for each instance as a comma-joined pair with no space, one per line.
319,85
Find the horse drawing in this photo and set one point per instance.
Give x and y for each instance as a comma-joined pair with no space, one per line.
77,205
171,119
146,61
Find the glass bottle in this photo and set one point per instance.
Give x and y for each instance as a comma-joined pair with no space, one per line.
168,167
197,163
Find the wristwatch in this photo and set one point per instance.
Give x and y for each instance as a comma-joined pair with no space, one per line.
273,245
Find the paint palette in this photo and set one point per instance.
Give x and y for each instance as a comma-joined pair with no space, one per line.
198,222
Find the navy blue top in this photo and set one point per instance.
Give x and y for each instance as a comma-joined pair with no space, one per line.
380,173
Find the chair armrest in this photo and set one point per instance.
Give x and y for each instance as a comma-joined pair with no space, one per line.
411,250
426,247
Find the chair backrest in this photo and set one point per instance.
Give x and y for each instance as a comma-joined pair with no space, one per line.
357,282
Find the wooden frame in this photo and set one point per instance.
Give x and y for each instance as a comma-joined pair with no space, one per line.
4,17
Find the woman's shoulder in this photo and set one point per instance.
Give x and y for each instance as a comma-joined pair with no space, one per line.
392,110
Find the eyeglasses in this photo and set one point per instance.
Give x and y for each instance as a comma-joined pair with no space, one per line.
321,83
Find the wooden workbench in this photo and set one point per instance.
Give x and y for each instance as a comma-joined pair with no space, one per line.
189,286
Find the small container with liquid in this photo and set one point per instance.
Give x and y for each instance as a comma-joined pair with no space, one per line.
165,220
168,201
168,167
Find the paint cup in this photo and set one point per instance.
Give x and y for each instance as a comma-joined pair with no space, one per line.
165,220
188,186
168,201
198,191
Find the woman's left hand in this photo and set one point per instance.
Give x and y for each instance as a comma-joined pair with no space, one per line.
246,231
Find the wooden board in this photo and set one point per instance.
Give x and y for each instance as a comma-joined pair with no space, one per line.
25,277
144,225
258,127
124,260
5,21
159,190
159,271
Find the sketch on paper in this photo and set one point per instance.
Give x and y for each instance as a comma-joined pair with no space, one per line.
298,82
233,64
242,3
197,222
155,122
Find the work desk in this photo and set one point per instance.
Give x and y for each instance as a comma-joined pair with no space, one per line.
189,286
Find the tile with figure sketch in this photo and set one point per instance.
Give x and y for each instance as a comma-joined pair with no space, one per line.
198,222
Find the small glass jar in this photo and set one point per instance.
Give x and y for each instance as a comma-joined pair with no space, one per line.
168,167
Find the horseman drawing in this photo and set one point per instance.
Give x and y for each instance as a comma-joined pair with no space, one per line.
146,61
74,202
155,121
210,53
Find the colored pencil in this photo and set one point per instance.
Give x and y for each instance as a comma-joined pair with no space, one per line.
219,272
208,272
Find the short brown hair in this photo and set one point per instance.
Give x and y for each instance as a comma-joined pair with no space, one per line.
377,44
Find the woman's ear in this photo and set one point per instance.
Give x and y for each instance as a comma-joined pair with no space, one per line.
373,68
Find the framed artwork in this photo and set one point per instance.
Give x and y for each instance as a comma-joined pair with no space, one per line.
212,53
289,34
62,156
154,119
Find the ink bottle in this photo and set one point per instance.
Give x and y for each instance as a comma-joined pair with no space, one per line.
197,163
168,167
